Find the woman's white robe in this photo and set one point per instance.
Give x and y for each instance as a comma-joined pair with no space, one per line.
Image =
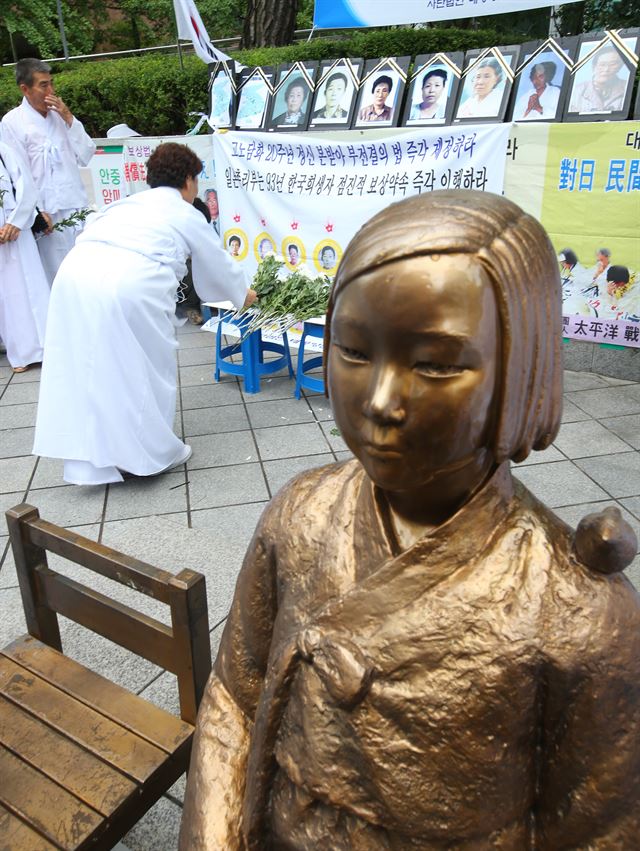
108,386
24,291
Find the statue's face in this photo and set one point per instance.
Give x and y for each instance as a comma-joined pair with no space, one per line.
413,368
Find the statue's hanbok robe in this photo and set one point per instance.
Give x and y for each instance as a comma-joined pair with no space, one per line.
478,691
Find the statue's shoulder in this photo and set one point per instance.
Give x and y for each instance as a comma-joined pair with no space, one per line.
315,492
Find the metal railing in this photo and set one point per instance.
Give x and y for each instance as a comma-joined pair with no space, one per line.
224,44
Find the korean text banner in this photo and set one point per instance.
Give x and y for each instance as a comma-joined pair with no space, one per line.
329,14
582,181
304,198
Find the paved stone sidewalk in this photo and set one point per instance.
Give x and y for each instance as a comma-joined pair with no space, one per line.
245,447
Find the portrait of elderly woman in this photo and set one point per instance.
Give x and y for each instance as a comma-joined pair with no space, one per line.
432,95
378,109
483,90
416,656
538,92
295,104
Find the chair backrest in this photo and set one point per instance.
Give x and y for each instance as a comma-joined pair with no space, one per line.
184,648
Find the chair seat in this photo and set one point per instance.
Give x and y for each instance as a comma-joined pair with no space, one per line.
80,757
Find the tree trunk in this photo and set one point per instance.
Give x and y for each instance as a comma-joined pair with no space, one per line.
269,23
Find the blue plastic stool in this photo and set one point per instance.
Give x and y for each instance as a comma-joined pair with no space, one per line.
309,329
251,348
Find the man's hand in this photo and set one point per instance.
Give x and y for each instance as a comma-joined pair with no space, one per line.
9,233
252,295
56,104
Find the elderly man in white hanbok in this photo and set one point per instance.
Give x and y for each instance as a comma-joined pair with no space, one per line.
108,389
54,144
24,291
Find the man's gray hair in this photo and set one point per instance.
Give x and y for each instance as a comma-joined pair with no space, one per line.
604,251
26,68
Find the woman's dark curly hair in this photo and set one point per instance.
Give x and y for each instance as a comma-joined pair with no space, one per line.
171,164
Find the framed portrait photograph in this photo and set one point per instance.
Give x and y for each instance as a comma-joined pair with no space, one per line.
432,89
293,93
222,94
542,80
381,91
254,94
603,75
486,85
335,95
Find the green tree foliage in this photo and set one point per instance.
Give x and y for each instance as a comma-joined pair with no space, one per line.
598,15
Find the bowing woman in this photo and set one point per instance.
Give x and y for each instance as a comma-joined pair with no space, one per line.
24,290
108,389
419,654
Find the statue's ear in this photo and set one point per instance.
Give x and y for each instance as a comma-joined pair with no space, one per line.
605,542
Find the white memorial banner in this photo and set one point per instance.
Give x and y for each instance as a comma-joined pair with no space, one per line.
330,14
303,197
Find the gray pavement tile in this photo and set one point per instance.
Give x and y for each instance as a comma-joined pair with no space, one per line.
615,382
5,373
12,622
633,572
320,405
559,483
48,474
215,420
335,440
628,428
157,830
163,692
147,495
27,377
279,412
197,339
229,525
582,381
609,401
290,441
346,455
271,388
225,392
17,416
279,472
618,474
20,394
632,504
580,440
70,505
573,514
229,531
544,457
219,450
15,473
226,486
572,413
16,441
197,376
197,355
8,500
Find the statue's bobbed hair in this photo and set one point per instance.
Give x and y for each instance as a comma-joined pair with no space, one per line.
516,254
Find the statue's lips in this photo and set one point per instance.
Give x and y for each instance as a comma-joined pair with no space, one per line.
381,450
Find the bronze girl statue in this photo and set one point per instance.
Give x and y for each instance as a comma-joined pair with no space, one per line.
419,654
